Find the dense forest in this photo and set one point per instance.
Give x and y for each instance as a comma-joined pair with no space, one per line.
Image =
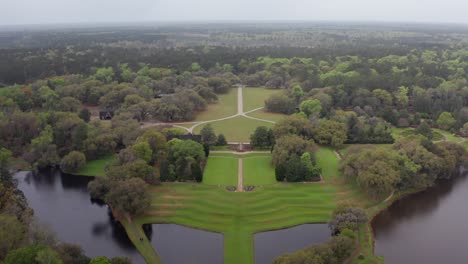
339,85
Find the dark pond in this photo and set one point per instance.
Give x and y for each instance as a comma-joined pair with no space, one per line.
178,244
272,244
62,202
427,227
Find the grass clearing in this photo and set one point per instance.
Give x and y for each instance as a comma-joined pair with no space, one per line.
263,114
236,129
254,97
226,106
97,167
221,170
258,170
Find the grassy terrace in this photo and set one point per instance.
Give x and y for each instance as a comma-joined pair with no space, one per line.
221,170
240,215
257,170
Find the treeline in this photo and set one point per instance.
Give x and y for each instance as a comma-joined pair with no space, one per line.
411,163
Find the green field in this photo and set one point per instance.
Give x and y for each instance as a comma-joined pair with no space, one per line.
240,215
254,97
258,170
221,170
263,114
438,134
226,106
97,167
236,129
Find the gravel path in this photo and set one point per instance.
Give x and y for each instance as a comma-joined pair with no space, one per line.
240,177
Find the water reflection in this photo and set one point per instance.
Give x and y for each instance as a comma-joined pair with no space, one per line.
62,202
427,227
178,244
270,245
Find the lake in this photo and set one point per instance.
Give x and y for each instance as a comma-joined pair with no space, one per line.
426,227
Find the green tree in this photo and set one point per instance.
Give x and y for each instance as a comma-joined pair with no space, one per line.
425,130
12,232
104,74
330,132
262,137
5,158
297,92
311,107
445,121
100,260
48,256
129,197
290,146
143,151
73,162
24,255
208,135
221,141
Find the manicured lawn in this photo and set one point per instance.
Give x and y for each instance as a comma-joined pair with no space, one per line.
258,170
236,129
97,167
263,114
221,170
226,106
240,215
254,97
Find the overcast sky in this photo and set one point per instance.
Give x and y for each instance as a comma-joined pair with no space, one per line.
77,11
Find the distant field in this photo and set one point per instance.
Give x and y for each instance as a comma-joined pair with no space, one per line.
96,167
258,170
221,170
226,106
236,129
262,114
254,97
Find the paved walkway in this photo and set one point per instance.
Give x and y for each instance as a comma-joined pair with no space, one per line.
240,177
240,112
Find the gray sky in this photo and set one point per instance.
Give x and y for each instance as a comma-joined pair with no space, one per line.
77,11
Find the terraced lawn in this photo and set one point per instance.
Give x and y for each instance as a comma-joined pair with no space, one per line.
97,167
258,170
236,129
240,215
226,106
221,170
254,97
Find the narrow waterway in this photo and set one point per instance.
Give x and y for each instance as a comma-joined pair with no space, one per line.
428,227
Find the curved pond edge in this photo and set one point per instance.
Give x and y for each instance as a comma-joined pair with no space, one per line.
366,232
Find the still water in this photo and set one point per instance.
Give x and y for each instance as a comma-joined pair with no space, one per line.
427,227
272,244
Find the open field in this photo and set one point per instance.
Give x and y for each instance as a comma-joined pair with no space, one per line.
240,215
258,170
254,97
220,170
263,114
236,129
438,134
96,167
226,106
